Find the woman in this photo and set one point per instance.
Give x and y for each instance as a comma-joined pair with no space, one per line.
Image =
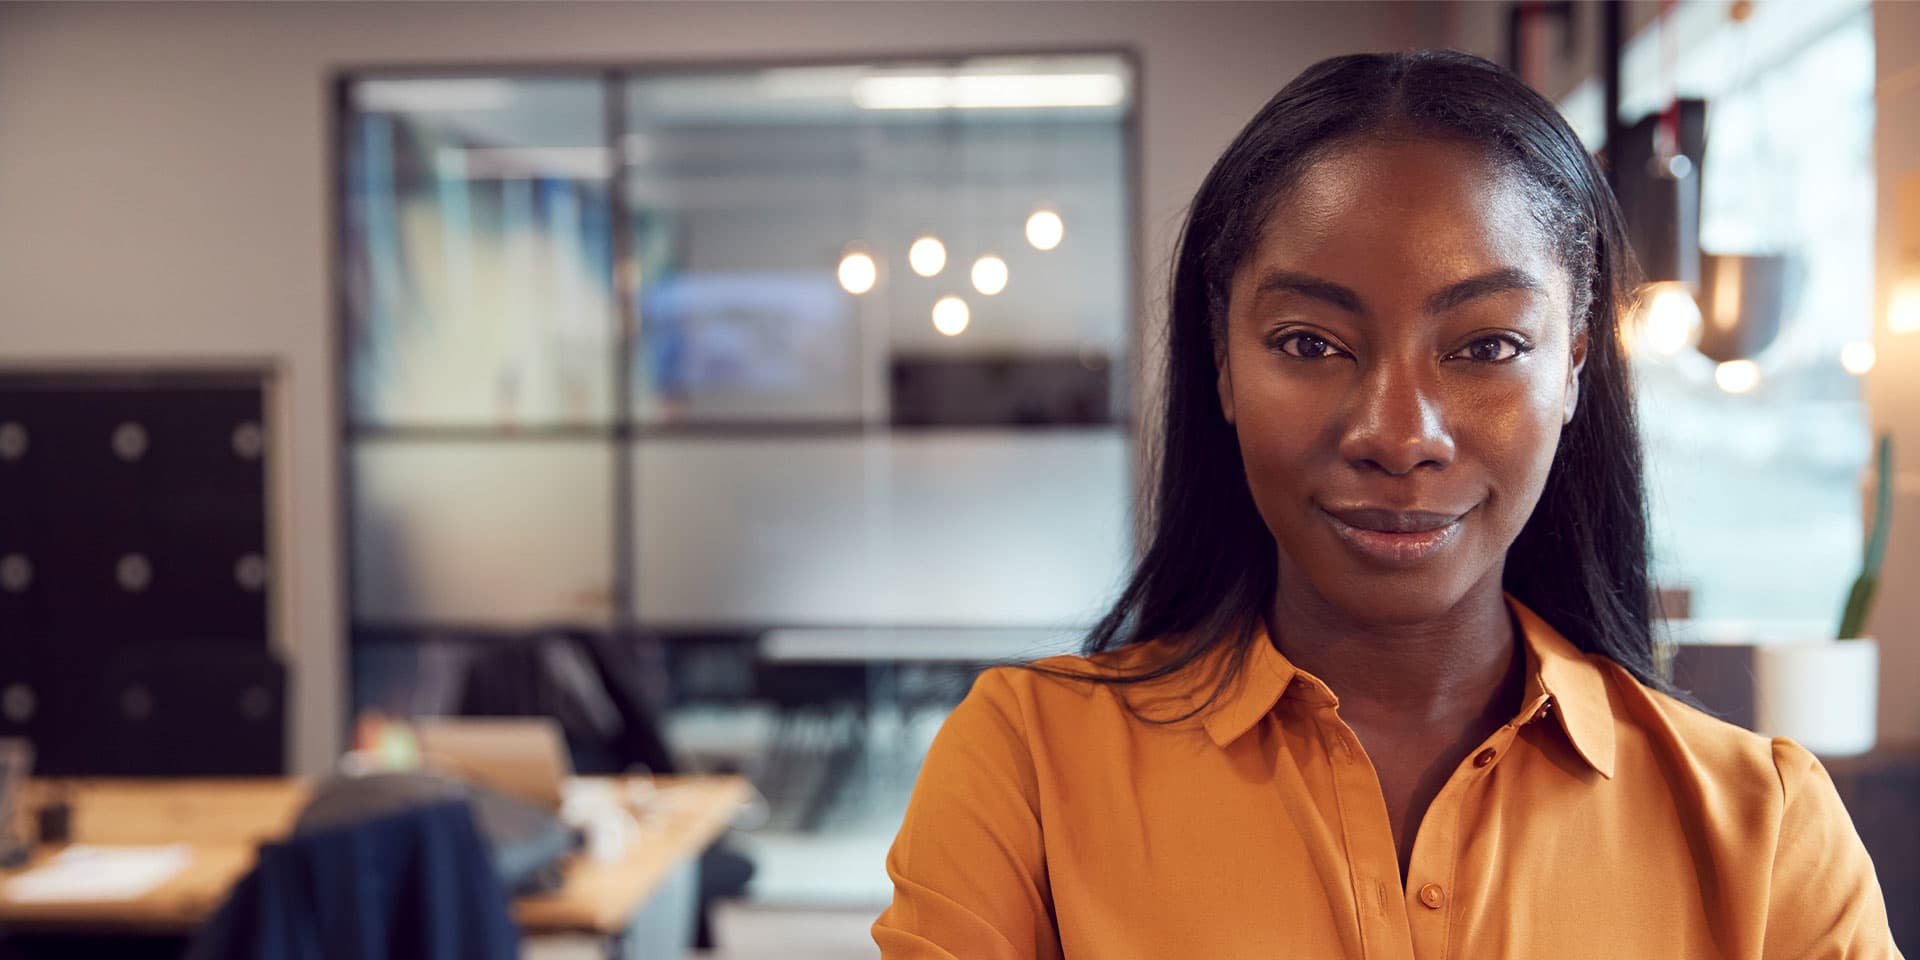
1383,684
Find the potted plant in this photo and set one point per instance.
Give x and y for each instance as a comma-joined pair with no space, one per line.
1824,695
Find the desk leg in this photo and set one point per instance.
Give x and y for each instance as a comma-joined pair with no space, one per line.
619,946
662,928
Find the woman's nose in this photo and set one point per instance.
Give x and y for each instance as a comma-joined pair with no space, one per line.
1396,423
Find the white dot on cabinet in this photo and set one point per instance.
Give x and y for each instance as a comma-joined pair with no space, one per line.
130,441
13,441
136,702
249,441
16,573
134,572
19,703
256,703
251,572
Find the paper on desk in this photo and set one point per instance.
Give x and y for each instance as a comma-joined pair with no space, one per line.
91,873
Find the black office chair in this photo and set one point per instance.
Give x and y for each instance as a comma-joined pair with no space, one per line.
819,735
592,686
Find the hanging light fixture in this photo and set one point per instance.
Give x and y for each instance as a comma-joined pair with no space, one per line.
951,316
858,272
1743,298
1045,229
1858,357
989,275
1903,307
1658,186
1665,321
1737,376
927,256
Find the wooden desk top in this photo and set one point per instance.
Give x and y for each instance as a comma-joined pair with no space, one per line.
224,820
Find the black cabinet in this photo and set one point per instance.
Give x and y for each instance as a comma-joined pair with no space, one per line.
135,573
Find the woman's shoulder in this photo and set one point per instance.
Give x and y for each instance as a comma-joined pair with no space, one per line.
1686,740
1069,693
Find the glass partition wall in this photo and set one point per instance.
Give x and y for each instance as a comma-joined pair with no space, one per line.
807,383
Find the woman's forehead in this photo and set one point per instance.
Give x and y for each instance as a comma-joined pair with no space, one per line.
1405,202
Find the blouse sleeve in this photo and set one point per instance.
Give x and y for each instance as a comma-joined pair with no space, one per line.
1826,901
969,869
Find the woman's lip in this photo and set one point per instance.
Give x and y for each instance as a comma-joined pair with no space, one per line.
1395,549
1388,520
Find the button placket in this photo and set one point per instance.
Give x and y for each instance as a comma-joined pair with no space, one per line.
1436,851
1367,836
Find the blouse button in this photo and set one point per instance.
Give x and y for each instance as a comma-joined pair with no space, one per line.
1483,758
1433,896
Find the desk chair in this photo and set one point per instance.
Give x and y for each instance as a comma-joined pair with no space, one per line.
821,709
418,884
591,684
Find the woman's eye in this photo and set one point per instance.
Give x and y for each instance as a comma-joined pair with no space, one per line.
1306,346
1491,350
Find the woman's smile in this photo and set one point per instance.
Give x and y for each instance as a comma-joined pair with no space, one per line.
1395,537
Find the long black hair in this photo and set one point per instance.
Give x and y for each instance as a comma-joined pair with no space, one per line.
1208,574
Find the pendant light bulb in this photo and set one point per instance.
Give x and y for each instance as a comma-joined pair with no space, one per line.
951,316
1045,229
989,275
927,256
858,272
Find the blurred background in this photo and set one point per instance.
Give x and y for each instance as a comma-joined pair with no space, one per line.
727,383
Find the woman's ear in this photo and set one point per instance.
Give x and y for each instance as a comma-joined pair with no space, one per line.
1573,375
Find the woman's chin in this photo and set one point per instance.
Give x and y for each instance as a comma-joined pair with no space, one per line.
1396,597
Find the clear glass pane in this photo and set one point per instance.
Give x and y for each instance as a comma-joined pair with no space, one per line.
1734,476
478,252
749,192
483,533
942,528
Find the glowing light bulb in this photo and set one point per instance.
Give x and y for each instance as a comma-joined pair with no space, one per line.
1858,358
1903,308
1045,229
950,316
858,273
1737,376
1669,319
927,256
989,275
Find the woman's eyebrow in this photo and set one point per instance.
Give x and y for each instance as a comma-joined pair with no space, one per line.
1307,285
1497,281
1326,291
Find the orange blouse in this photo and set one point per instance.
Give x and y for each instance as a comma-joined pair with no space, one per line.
1605,820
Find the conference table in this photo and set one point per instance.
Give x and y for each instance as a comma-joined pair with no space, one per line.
222,821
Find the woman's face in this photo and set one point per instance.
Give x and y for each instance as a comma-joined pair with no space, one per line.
1398,363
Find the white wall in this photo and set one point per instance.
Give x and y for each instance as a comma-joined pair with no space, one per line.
163,171
1893,388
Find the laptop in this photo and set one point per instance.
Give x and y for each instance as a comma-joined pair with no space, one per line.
524,757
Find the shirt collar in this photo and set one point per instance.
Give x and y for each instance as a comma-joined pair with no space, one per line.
1561,682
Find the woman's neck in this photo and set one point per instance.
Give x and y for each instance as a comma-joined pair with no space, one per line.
1461,665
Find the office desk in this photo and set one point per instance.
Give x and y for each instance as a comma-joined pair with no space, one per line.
224,820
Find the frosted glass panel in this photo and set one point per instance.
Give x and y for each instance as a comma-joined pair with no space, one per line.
949,528
499,532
